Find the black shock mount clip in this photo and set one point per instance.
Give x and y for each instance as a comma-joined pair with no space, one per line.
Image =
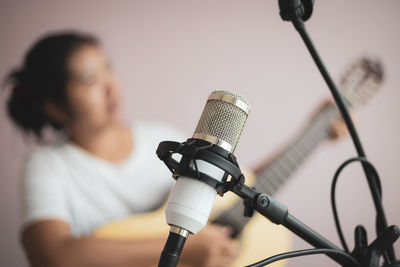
197,149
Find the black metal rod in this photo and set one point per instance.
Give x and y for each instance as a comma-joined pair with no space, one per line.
278,213
172,250
371,178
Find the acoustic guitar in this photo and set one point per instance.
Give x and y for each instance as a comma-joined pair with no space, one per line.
258,237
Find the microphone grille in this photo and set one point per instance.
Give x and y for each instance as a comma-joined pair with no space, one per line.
223,119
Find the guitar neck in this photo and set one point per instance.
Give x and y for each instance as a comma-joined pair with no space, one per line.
273,175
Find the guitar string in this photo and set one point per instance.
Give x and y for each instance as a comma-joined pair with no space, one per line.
265,182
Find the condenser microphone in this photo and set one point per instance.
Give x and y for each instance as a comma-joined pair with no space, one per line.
191,200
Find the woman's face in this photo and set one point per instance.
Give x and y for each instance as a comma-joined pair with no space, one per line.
93,91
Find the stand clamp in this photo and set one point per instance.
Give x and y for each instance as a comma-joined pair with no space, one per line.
369,256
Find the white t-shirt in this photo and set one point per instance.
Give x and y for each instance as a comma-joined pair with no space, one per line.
65,182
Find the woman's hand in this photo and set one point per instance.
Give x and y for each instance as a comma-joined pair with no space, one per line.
211,247
338,128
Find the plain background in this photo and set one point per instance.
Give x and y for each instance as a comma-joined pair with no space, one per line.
171,54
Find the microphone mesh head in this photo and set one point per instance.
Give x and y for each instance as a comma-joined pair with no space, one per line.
223,118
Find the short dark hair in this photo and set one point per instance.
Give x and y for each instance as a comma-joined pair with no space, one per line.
43,77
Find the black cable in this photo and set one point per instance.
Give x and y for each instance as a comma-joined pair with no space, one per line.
333,190
333,201
304,252
372,180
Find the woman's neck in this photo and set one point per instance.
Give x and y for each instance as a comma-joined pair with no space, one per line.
112,143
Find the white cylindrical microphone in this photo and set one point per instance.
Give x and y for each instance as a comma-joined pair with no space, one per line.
221,123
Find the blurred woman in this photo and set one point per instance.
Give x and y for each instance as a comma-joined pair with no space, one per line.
99,171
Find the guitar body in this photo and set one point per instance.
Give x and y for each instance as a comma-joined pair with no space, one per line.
260,238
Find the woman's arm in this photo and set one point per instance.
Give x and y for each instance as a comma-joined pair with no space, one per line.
49,243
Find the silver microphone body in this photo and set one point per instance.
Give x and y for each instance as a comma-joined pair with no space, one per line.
221,123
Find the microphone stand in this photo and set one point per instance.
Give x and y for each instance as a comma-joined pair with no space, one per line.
298,11
276,212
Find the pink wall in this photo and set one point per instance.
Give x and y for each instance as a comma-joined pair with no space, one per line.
171,54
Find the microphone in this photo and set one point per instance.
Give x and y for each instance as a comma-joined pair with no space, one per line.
191,199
